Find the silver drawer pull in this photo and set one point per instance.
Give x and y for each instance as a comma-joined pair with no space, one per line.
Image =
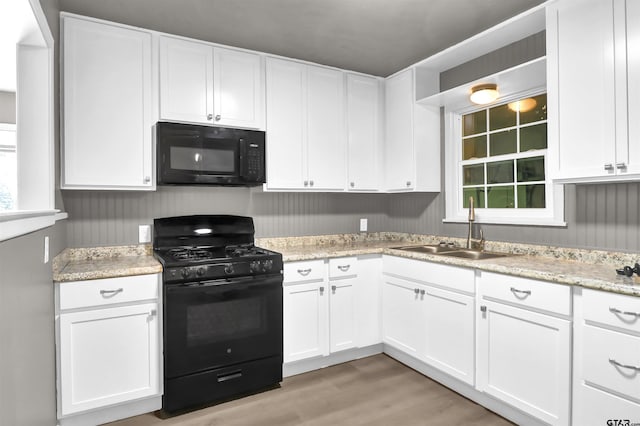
618,364
515,290
304,272
110,293
333,288
618,311
344,268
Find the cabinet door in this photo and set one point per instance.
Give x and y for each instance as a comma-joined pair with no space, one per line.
107,97
450,333
326,137
585,88
186,81
363,135
402,316
633,86
399,152
108,356
286,127
342,314
306,321
524,360
238,93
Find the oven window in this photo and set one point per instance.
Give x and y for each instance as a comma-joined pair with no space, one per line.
225,320
199,159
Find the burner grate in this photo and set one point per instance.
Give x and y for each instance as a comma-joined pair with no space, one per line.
190,254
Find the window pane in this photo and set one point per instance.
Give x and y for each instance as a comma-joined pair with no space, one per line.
8,180
536,112
473,175
500,172
474,147
533,137
474,123
530,169
502,142
531,197
500,197
501,117
476,193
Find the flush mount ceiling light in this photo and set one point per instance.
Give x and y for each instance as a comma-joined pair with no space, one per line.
484,94
523,105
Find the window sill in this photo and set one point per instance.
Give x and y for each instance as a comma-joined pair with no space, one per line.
510,221
16,223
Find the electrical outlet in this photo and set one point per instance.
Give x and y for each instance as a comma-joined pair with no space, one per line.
144,233
363,225
46,249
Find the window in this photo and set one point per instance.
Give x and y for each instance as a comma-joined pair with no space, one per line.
8,167
500,160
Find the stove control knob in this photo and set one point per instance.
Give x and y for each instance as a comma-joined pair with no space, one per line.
185,273
200,272
267,265
228,269
254,266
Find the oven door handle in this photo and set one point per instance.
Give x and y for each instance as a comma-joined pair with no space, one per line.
240,283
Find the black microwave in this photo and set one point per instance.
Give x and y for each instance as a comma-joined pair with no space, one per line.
189,154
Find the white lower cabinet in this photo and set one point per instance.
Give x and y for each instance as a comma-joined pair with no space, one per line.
524,345
403,324
108,347
606,386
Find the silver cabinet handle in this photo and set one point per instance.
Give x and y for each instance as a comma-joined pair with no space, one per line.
422,292
352,184
321,289
147,179
218,117
153,313
408,183
416,290
111,293
333,288
621,166
304,272
209,116
619,364
306,183
344,268
483,308
310,183
618,311
608,166
515,290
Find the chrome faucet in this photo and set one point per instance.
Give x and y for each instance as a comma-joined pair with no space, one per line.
470,241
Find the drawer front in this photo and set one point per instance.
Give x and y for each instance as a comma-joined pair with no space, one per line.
311,270
611,360
595,407
449,277
526,292
109,291
612,309
343,267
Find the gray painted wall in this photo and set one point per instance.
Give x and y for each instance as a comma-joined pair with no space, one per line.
27,349
8,107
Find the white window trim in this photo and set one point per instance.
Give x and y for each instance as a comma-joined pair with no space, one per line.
552,215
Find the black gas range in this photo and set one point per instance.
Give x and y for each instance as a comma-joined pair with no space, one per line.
222,310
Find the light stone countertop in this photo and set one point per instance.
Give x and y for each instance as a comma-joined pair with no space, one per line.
586,268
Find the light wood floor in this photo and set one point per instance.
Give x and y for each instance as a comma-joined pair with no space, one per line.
374,391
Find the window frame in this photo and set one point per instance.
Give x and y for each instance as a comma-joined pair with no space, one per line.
551,215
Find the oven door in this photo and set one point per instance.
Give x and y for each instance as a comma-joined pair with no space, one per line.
223,322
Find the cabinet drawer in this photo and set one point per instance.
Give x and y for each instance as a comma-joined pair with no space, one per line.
611,360
595,407
450,277
81,294
612,309
304,271
526,292
343,267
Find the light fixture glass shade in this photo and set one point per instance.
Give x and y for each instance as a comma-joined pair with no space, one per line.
523,105
484,94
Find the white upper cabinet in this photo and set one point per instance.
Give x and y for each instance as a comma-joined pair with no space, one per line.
305,127
363,132
412,138
107,106
592,48
200,83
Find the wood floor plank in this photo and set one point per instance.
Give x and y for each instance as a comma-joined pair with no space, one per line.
373,391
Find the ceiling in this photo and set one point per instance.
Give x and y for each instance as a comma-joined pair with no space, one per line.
376,37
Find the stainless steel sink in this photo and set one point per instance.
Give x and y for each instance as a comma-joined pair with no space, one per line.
473,254
431,249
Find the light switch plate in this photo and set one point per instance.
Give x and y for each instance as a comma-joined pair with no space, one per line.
363,225
144,233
